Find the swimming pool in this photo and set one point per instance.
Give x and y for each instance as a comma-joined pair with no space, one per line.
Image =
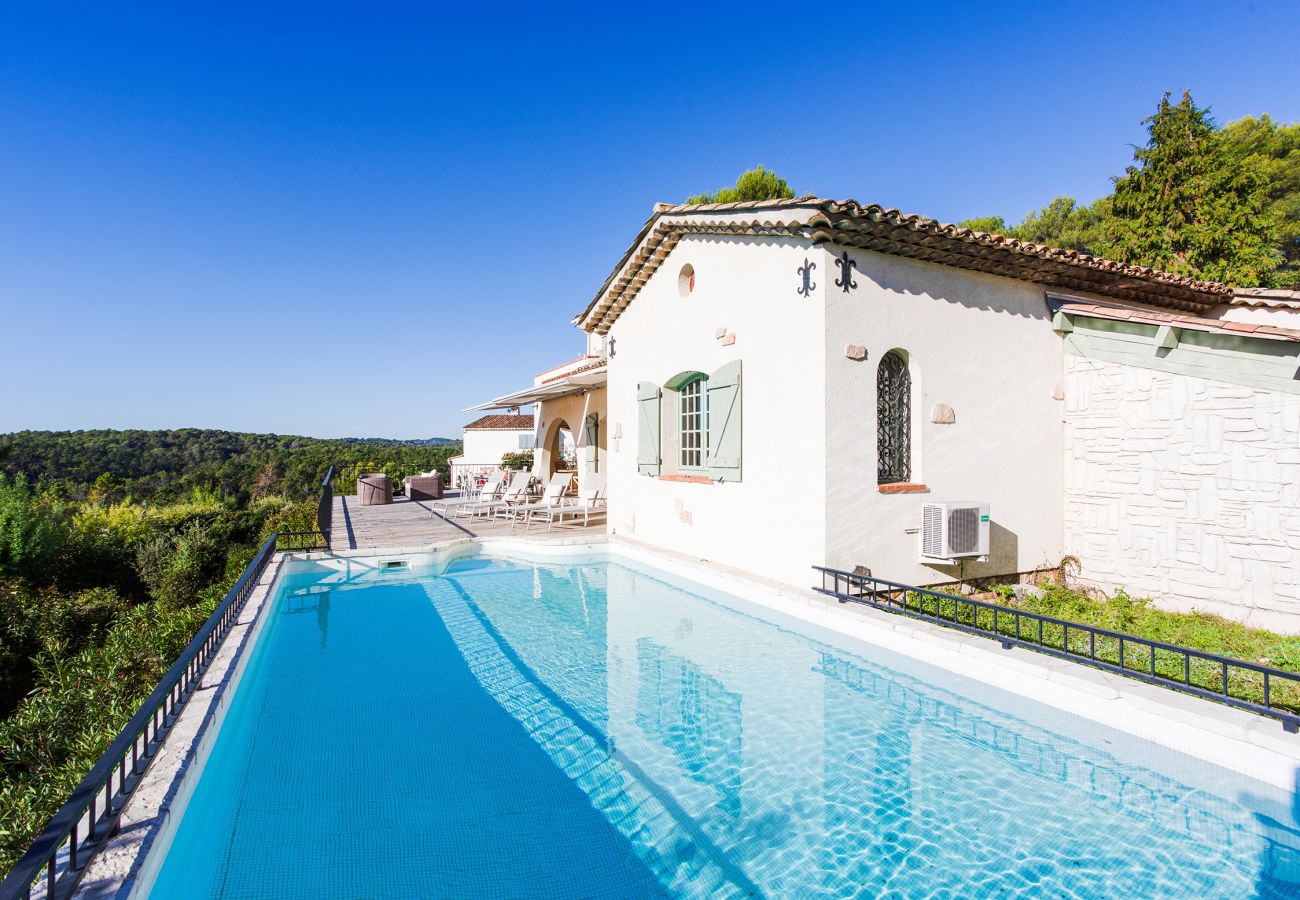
516,729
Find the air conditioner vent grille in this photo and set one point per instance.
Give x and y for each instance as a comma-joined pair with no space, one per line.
932,530
963,529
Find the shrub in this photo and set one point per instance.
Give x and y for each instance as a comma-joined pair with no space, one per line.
33,532
177,567
518,462
81,702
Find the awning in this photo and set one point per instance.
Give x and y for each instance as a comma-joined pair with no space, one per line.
574,384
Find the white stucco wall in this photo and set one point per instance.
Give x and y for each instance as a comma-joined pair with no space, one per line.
771,523
487,445
1185,489
981,344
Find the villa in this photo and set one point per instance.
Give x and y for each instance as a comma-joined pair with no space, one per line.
780,384
789,415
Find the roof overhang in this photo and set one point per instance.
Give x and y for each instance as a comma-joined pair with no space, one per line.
539,393
848,223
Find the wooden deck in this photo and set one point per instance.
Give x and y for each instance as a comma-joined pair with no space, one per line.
411,523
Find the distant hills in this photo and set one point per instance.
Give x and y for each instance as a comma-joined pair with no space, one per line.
168,464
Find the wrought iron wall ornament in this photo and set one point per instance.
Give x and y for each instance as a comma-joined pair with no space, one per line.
846,269
806,272
893,420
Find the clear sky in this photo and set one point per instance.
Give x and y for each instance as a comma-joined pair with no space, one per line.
357,220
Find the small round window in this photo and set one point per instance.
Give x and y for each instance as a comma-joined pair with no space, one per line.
686,280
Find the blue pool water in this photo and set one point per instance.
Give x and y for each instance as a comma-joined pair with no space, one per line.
517,730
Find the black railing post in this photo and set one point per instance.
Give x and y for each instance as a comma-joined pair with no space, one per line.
325,509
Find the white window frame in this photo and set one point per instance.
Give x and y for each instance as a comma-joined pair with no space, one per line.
693,424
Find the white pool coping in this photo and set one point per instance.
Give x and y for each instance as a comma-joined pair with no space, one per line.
1251,745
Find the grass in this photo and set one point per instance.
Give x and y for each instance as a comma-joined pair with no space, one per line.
1138,617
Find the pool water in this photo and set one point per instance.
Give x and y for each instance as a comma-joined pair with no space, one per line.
508,729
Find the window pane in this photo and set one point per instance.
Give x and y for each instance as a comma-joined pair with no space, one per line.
692,419
893,420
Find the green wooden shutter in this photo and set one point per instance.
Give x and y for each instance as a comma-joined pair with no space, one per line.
647,448
724,423
591,438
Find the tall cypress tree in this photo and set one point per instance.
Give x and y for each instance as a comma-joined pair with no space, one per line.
1189,206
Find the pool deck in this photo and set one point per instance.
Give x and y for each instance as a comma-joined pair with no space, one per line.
413,523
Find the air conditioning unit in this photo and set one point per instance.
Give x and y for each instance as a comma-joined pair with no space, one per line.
954,531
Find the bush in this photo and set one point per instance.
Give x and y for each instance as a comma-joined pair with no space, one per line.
177,567
32,622
82,701
33,532
285,515
521,461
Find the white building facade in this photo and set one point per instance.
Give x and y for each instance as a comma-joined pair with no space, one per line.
488,438
789,381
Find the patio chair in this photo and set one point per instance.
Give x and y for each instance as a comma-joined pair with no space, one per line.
556,488
590,497
491,489
514,493
517,494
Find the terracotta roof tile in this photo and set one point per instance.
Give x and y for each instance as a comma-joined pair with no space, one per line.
1267,298
1194,323
501,423
872,227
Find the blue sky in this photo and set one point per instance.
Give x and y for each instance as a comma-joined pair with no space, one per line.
357,220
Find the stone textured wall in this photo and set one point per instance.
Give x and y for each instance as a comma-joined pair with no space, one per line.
1184,489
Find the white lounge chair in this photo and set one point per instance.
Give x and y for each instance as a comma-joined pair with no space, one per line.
491,491
590,497
556,488
514,493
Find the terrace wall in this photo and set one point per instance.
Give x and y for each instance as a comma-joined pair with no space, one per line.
1184,488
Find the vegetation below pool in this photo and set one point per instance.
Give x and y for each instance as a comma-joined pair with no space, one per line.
115,547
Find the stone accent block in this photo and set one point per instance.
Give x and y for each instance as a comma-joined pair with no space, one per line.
943,414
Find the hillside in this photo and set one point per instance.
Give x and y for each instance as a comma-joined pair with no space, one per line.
169,465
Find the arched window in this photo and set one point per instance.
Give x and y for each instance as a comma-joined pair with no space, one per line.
893,419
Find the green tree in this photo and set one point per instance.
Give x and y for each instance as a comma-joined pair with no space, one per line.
1065,224
1189,206
1273,150
756,184
33,531
987,224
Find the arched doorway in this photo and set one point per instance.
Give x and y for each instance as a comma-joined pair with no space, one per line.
560,450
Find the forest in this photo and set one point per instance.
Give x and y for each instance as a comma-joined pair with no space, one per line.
1219,203
115,546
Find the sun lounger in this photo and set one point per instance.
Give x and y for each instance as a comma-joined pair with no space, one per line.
514,493
556,488
491,491
590,498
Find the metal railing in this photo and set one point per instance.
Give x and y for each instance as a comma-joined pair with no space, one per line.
303,541
464,474
1246,685
325,508
61,852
